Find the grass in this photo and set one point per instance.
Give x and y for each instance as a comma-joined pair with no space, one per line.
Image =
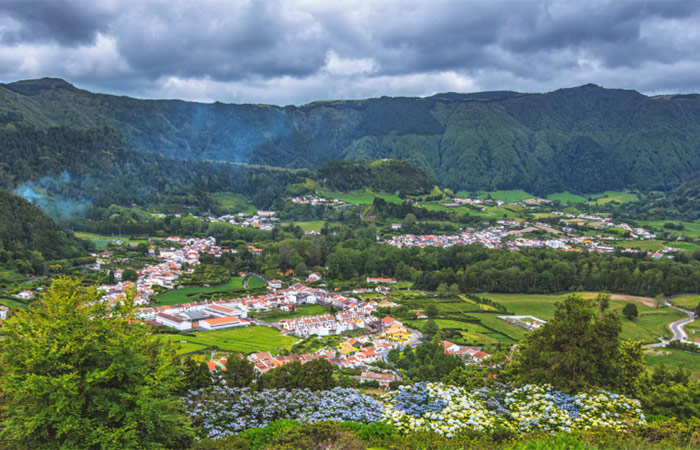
10,277
102,240
255,282
238,340
362,197
688,302
303,310
672,358
314,225
614,196
651,323
567,197
512,196
234,202
189,294
691,231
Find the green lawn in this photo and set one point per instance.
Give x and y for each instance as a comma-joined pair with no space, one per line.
254,282
234,202
512,196
238,340
102,240
304,310
691,231
689,302
567,197
651,323
673,358
189,294
314,225
614,196
361,197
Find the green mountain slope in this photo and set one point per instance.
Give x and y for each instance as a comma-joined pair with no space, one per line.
29,238
585,139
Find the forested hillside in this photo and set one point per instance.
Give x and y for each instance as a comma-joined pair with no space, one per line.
583,140
29,238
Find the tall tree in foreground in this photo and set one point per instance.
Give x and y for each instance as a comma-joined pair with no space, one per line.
77,374
577,349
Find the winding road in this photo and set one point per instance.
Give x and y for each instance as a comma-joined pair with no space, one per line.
677,327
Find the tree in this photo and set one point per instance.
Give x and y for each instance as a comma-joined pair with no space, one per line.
431,310
630,311
443,290
697,310
575,350
315,375
130,275
239,372
76,373
195,375
430,329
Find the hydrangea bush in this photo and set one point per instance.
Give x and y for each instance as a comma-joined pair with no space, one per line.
436,407
444,409
222,411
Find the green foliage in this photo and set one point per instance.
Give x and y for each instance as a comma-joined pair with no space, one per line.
316,375
386,176
630,311
195,375
584,138
575,350
239,372
76,374
29,239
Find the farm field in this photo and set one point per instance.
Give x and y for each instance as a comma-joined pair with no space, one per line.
688,302
651,323
614,196
649,245
314,225
511,196
672,358
243,340
234,202
363,197
12,304
102,240
190,294
691,231
567,197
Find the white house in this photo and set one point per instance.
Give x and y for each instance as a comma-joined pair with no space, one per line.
3,311
173,321
222,322
313,277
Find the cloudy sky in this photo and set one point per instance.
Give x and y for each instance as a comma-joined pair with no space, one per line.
296,51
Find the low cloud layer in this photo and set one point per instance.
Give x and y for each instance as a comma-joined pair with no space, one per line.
295,51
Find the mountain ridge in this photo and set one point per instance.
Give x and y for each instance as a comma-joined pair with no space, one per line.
582,139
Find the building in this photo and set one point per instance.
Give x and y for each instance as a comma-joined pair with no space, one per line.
220,323
397,332
383,378
4,310
313,277
169,320
381,280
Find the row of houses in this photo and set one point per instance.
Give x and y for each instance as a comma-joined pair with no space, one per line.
163,274
469,354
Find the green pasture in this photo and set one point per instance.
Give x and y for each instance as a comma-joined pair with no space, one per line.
244,340
688,302
673,358
314,225
567,197
102,240
190,294
614,196
234,202
511,196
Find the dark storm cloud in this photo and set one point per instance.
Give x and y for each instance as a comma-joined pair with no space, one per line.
293,51
65,22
